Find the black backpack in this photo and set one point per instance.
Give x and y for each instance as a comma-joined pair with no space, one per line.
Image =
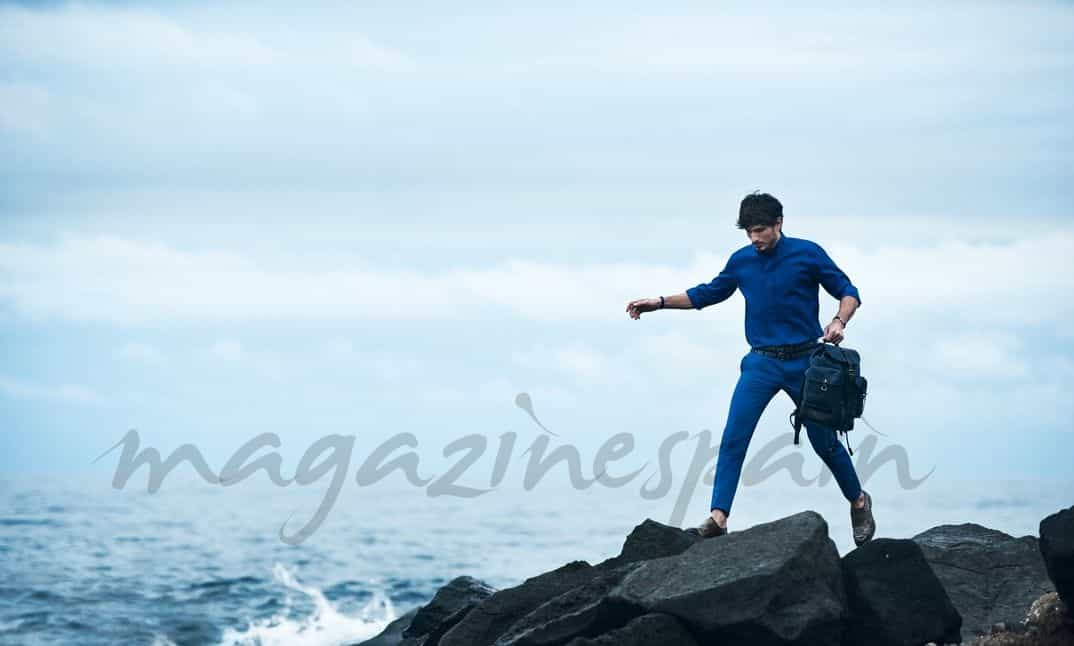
833,392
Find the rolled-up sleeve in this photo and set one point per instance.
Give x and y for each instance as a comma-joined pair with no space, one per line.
718,289
832,278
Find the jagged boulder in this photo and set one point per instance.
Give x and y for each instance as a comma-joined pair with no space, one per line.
576,591
773,584
423,626
991,577
651,540
583,611
1057,548
586,610
448,606
493,616
652,629
893,597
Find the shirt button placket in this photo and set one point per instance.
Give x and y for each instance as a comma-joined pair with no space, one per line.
770,304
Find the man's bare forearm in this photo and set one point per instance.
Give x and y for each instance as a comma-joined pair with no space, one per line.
637,307
678,302
847,306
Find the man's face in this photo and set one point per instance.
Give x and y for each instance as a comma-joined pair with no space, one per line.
763,237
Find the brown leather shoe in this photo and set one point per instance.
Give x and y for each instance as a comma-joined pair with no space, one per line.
707,529
862,521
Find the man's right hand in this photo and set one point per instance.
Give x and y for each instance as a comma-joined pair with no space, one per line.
635,308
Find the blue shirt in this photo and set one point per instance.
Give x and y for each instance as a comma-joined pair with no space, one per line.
781,290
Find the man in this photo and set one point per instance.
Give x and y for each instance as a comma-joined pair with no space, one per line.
779,277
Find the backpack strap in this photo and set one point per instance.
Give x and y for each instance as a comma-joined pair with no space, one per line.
846,436
795,417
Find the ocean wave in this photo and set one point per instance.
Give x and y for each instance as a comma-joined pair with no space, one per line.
324,626
223,583
30,522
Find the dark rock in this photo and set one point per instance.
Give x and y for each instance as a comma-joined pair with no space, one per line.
775,583
448,606
991,577
424,625
651,540
1057,548
653,629
393,632
893,597
493,616
582,611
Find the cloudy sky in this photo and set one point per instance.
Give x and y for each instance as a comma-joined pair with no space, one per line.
218,219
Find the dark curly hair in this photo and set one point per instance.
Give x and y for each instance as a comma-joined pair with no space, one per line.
759,208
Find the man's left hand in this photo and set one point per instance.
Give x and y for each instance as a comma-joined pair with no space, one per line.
834,332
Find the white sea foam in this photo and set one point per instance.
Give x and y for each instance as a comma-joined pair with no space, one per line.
325,626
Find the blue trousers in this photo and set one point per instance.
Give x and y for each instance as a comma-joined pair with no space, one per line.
761,378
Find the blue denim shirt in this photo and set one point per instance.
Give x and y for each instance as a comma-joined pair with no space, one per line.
781,290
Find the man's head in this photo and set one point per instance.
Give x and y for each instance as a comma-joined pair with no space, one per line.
761,215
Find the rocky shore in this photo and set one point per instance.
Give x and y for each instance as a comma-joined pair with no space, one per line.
777,583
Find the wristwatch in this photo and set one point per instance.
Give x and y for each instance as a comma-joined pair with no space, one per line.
836,318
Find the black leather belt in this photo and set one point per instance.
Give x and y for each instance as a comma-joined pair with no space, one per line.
787,352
